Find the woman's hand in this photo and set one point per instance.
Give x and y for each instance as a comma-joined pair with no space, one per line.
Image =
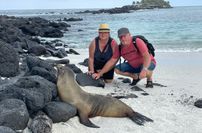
96,75
90,72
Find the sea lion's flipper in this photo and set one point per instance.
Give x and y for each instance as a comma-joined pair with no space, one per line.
85,121
139,118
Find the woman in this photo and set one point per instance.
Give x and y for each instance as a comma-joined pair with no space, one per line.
101,50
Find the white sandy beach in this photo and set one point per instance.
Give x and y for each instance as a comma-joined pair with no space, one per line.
170,107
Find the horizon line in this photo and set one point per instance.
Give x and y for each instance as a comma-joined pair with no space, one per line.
79,8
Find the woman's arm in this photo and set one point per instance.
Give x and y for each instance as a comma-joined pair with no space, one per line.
91,57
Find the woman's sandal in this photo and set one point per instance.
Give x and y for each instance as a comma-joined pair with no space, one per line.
149,84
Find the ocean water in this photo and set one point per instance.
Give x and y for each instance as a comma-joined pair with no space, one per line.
177,29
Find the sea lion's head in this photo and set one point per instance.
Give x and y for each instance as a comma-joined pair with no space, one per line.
60,69
64,70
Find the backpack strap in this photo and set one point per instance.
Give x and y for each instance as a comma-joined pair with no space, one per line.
140,37
120,49
120,56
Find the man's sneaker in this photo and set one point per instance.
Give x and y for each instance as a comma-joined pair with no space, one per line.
149,84
135,81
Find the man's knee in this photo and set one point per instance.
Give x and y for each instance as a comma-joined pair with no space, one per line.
149,73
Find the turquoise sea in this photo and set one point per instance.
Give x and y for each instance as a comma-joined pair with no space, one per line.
177,29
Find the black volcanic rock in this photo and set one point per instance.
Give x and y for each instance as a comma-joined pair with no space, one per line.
73,19
13,114
86,80
9,60
41,123
18,31
198,103
42,68
4,129
74,68
60,111
84,63
37,50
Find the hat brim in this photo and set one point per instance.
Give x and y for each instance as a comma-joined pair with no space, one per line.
104,30
123,34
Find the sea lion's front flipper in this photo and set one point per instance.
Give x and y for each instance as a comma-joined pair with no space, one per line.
139,118
85,121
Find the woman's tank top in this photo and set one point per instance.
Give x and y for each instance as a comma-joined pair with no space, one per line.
101,58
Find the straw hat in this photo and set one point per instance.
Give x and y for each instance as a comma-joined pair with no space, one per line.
104,28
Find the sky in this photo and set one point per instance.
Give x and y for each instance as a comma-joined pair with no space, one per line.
72,4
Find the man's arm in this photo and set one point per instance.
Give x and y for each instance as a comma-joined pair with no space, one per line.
146,64
147,60
146,57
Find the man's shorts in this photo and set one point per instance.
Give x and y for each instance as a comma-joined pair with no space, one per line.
125,67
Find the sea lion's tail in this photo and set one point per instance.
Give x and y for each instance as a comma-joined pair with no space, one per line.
139,118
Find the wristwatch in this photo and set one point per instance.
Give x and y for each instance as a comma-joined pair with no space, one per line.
145,68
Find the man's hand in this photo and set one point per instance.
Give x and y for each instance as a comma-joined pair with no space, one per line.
96,75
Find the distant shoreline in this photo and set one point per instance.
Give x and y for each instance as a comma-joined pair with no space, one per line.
78,8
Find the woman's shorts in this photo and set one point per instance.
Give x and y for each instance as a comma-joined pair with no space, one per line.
108,75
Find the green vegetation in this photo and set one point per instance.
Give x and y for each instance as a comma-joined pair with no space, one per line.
152,4
143,4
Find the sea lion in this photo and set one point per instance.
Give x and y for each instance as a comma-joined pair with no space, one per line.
91,105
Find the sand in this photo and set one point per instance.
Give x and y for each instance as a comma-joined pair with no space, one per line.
171,107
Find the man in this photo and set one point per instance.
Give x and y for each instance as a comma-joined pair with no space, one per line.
140,64
101,50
